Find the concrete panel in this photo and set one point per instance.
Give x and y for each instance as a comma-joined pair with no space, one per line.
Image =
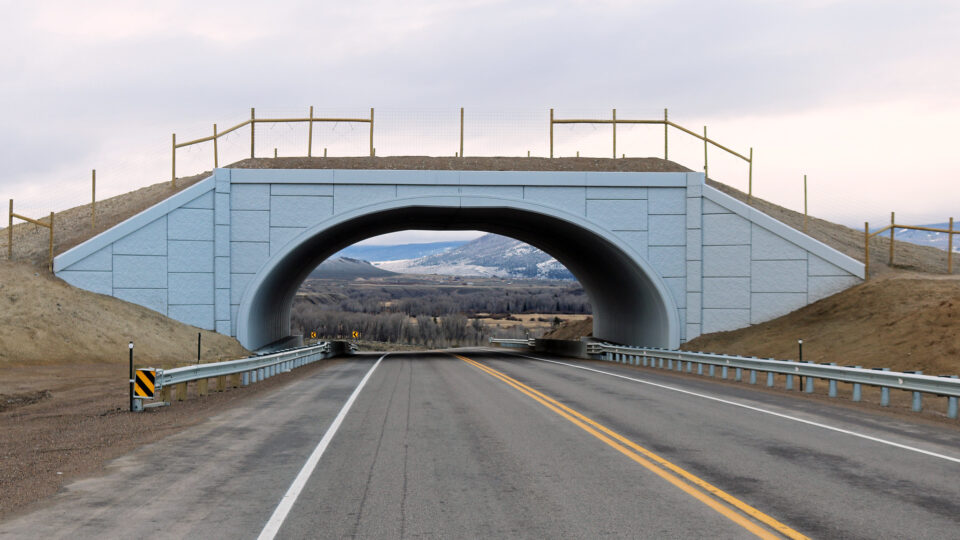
779,276
767,306
223,327
191,288
819,267
628,215
238,284
98,282
350,196
302,189
204,201
694,307
222,272
250,226
503,192
280,236
248,257
222,302
721,320
694,244
692,331
282,176
233,319
139,272
190,256
768,247
694,276
299,211
150,240
221,215
824,286
710,207
190,224
726,261
620,193
386,176
405,191
667,201
250,197
694,190
101,261
725,230
694,216
523,178
636,240
222,241
678,288
726,293
196,315
155,299
668,261
668,230
632,179
570,199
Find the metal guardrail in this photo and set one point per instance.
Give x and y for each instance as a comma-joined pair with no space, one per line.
248,370
513,342
941,386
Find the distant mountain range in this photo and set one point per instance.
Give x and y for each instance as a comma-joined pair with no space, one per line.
347,268
397,252
926,238
490,255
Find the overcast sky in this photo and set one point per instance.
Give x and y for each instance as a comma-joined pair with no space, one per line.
864,97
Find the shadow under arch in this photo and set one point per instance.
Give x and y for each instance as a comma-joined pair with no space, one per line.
631,303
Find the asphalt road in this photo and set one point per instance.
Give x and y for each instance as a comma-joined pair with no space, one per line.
495,445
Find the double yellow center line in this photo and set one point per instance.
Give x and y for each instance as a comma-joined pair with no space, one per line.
722,502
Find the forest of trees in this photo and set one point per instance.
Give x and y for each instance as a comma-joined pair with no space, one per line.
427,315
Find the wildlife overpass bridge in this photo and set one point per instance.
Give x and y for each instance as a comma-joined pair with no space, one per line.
663,256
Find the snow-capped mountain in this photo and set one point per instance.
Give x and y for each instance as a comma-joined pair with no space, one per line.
490,255
927,238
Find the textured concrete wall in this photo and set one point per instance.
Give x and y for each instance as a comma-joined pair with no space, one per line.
723,264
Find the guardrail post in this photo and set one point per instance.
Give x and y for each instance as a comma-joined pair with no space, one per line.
165,394
222,383
689,366
713,370
857,388
699,368
832,392
643,360
917,403
202,387
181,391
723,372
680,365
952,403
809,385
789,382
770,379
753,376
669,364
136,405
885,394
738,375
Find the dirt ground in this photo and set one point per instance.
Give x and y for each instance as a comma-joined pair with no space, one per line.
63,351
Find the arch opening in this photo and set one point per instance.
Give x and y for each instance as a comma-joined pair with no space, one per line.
631,303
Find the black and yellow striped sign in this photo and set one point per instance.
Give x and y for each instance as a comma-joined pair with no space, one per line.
144,383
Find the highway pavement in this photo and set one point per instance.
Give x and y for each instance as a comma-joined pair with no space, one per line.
495,444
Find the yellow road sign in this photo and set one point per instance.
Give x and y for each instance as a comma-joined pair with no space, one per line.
144,383
313,335
356,334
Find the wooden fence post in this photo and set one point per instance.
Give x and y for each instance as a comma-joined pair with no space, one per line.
804,204
51,241
310,135
173,161
551,132
253,125
950,249
10,233
461,131
750,178
372,151
893,231
215,157
93,202
666,126
866,250
614,134
705,173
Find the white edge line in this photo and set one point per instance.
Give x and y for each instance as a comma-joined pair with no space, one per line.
757,409
272,527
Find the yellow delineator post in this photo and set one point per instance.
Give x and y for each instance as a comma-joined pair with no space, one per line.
145,383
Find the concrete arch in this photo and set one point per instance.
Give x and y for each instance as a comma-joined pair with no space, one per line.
632,304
